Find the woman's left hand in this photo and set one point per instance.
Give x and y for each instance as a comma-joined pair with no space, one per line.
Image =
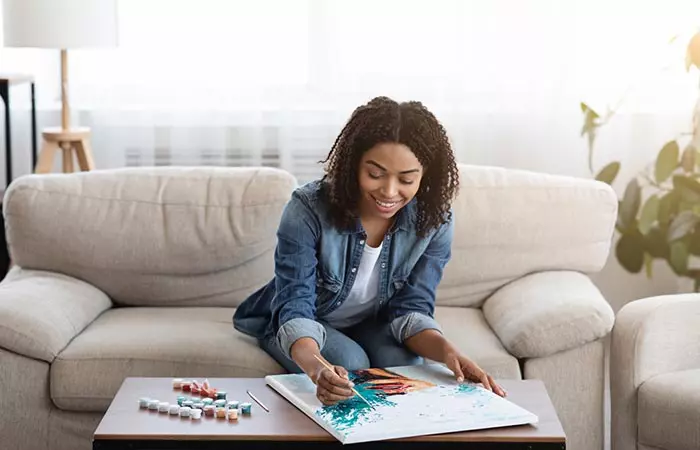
465,368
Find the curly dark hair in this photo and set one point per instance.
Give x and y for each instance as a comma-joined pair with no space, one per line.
383,120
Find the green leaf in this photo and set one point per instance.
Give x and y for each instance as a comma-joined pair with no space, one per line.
609,172
685,205
679,257
682,225
585,108
688,188
630,252
666,162
694,242
668,206
656,244
630,204
650,212
648,265
688,158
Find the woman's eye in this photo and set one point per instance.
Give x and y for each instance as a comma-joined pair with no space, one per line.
374,175
407,181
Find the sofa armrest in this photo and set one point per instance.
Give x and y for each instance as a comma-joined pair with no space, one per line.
652,336
41,312
548,312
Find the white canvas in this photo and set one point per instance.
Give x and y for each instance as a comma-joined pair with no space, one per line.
407,401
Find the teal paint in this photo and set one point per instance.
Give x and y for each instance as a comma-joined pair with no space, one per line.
347,414
466,388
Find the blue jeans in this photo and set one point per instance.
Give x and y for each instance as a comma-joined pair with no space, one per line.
368,344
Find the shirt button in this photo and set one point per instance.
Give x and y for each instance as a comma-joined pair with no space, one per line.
362,242
354,269
383,265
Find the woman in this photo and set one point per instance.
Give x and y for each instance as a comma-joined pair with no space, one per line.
360,253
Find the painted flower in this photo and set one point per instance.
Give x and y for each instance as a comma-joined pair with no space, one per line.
387,382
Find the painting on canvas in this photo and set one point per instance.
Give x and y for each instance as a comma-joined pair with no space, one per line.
407,401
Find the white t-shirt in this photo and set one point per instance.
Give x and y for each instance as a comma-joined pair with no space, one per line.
360,301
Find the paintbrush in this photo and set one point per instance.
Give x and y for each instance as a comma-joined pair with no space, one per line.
333,370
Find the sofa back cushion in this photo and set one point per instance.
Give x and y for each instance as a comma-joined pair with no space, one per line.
509,223
152,236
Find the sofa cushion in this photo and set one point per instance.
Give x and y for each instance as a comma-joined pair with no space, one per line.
173,236
509,223
152,342
548,312
668,411
468,330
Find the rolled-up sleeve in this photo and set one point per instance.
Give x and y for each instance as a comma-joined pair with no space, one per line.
294,304
298,328
411,310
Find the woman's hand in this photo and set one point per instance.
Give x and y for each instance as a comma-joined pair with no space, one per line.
465,368
332,387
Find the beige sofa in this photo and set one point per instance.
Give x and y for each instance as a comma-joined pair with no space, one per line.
137,272
655,374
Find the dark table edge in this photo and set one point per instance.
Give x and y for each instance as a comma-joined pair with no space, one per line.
318,445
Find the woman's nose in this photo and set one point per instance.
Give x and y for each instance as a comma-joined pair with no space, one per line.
390,189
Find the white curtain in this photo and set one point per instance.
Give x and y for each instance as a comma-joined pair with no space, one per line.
272,81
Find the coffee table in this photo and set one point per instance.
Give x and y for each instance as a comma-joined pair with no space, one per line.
125,426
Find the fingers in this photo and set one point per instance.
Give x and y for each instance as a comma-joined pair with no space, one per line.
498,390
328,397
456,367
484,379
333,387
342,373
334,384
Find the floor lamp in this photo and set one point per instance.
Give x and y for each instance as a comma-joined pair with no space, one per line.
64,25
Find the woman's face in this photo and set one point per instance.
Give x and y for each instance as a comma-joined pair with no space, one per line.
389,177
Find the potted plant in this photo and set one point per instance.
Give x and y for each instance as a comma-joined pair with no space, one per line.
659,212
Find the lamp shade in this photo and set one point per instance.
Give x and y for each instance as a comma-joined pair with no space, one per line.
62,24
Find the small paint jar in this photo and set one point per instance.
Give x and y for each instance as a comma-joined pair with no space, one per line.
188,403
207,401
220,413
245,408
198,405
185,411
153,405
174,410
233,404
232,414
177,383
180,399
186,385
163,407
209,410
221,395
196,414
220,403
143,402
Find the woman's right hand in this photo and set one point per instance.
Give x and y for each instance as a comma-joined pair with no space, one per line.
332,386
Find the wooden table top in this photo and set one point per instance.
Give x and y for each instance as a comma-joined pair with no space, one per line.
124,420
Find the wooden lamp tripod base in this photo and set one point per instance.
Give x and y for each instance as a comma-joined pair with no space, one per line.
65,138
68,141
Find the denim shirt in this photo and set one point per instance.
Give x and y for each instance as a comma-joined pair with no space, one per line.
316,264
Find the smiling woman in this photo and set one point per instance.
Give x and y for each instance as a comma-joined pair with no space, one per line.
360,254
